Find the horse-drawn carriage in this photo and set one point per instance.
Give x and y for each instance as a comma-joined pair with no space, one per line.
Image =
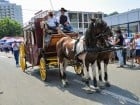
37,52
62,50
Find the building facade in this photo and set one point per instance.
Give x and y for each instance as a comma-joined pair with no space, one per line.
128,21
80,20
11,10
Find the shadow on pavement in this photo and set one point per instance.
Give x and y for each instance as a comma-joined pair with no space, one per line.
76,88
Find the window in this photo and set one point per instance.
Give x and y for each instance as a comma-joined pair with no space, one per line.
85,25
85,18
95,15
80,25
74,25
89,17
73,17
80,17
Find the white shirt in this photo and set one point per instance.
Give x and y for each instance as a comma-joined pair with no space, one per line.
51,21
137,42
127,42
15,46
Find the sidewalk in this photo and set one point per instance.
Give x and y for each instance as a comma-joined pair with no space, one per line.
8,55
128,65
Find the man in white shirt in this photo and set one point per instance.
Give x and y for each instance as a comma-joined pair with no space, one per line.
52,21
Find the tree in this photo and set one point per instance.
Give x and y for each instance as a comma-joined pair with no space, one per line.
9,27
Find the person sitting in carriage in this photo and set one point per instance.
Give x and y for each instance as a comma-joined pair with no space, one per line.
51,22
64,21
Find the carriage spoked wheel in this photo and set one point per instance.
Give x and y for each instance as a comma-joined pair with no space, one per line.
78,68
22,63
43,69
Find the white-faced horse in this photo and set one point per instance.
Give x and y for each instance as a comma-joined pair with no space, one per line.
85,50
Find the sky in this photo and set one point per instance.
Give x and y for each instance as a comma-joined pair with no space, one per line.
29,7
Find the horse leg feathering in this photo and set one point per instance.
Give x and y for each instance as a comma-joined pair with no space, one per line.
100,83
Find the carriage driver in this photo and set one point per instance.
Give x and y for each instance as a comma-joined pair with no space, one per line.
51,22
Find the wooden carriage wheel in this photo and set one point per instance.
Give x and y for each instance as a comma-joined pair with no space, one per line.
78,68
22,57
43,72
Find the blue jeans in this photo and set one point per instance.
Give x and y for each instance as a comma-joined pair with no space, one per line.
16,56
68,28
120,57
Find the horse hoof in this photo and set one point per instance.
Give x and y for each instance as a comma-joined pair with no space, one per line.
98,90
88,90
101,85
107,84
67,83
84,79
64,83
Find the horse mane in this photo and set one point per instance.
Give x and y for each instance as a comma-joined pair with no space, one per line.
92,34
89,35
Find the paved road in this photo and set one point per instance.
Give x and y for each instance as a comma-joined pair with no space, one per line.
18,88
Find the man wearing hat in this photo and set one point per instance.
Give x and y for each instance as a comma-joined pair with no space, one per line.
119,41
64,20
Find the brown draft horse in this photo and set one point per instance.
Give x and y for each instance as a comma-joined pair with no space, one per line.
105,57
85,50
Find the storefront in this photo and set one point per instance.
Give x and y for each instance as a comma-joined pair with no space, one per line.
129,22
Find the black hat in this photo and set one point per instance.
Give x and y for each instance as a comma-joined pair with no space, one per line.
63,9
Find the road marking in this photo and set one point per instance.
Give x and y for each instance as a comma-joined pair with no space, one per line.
121,98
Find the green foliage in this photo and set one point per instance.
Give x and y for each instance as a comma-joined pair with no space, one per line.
9,27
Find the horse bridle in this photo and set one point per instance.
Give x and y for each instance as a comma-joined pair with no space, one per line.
102,34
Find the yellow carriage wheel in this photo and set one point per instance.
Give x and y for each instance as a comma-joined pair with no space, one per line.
78,69
22,63
43,72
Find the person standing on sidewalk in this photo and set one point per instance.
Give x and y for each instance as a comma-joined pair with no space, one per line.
15,47
119,41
